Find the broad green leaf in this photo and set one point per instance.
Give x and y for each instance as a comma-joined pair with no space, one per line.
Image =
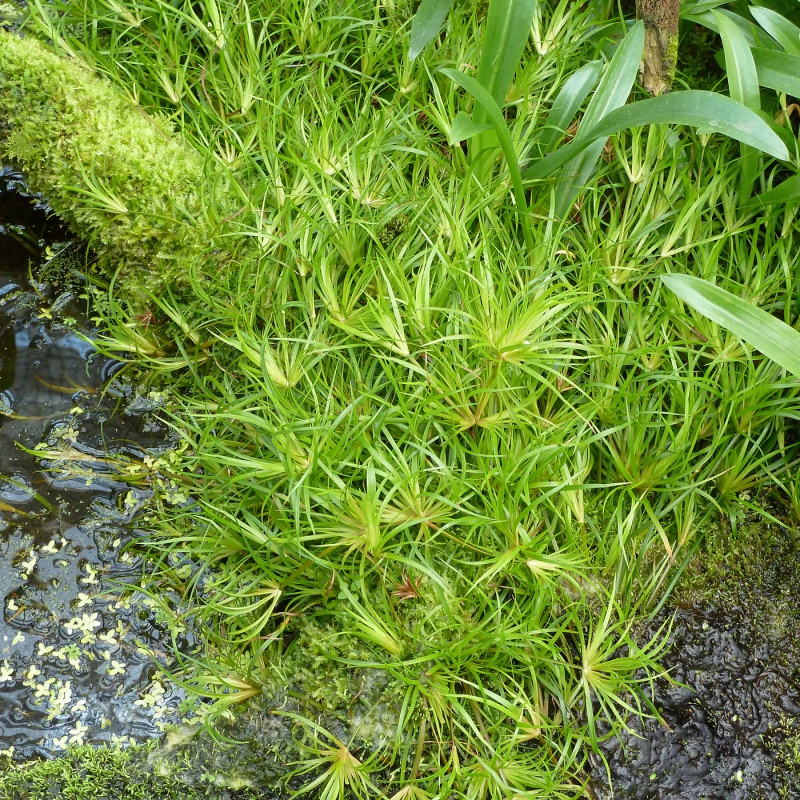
774,338
495,115
574,91
427,22
464,128
694,108
743,85
777,70
739,64
786,192
755,36
779,28
508,26
613,91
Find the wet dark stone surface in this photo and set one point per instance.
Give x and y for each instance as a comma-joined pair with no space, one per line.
79,451
731,714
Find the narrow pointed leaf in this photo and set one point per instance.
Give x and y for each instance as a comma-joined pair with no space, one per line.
697,109
613,91
786,192
427,22
464,128
498,122
777,70
779,28
508,26
774,338
574,91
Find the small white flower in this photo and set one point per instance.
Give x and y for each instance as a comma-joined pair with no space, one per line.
50,547
32,672
83,600
12,604
79,706
8,752
62,743
44,649
18,639
108,637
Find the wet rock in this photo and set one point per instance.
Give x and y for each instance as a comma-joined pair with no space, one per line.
730,714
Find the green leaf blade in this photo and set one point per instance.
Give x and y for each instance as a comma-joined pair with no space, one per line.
427,22
611,93
779,28
777,70
774,338
695,108
569,99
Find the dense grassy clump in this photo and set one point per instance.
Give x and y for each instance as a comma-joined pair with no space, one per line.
120,178
416,445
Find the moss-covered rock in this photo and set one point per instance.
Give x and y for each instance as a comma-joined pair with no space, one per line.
122,180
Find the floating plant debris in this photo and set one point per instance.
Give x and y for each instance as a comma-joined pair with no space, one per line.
78,450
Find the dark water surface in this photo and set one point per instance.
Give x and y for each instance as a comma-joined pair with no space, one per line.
75,652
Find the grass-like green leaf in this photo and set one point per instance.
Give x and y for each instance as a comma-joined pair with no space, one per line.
786,33
739,64
695,108
777,70
786,192
613,91
774,338
426,24
508,26
497,121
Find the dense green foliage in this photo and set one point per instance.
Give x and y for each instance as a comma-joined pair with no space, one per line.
431,448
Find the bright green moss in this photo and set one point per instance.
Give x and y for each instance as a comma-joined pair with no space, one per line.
121,179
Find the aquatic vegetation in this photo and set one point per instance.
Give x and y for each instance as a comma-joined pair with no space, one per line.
426,449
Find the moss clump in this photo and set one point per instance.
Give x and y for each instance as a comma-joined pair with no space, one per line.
122,180
87,773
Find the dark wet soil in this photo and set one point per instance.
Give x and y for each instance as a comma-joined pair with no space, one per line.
78,453
731,719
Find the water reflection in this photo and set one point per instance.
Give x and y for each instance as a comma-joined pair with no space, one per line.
76,658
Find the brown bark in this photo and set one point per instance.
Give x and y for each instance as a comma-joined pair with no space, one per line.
660,56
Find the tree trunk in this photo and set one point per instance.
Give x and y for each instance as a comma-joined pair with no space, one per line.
660,56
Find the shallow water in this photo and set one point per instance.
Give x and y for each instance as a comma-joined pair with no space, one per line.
75,649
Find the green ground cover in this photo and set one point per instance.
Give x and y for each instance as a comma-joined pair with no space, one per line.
428,437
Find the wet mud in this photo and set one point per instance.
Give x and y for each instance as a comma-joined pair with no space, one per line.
77,453
731,713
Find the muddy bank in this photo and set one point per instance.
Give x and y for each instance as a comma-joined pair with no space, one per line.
77,447
730,726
